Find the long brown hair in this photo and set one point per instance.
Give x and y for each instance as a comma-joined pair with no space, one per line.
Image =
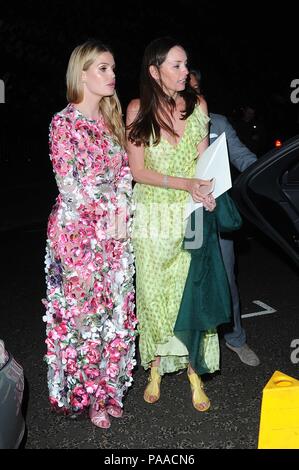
154,102
81,59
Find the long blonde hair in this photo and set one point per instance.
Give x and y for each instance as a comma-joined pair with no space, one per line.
81,59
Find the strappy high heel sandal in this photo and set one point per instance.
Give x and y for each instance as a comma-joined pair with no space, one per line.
152,390
99,417
199,398
114,410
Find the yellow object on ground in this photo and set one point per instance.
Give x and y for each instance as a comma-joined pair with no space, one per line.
279,424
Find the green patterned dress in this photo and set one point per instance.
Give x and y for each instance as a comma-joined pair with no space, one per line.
161,262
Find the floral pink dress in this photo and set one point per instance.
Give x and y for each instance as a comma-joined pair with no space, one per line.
90,294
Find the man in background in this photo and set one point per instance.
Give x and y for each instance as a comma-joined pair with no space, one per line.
241,158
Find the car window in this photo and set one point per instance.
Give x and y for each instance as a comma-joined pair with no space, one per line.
293,174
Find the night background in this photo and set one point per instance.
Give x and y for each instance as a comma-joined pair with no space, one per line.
247,58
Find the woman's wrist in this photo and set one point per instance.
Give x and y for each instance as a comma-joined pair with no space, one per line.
184,184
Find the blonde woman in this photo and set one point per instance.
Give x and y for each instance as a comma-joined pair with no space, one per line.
89,261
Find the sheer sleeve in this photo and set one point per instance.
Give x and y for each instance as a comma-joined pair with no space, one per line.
62,155
123,198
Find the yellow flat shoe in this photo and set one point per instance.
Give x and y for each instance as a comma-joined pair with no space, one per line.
152,390
199,398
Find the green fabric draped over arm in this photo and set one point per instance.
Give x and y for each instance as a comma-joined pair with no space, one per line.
206,300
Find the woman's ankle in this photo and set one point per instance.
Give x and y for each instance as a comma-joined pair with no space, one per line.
156,362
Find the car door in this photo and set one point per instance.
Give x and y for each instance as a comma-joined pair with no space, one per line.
12,424
267,194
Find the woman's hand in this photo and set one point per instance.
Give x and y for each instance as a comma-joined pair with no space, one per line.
118,227
210,203
201,190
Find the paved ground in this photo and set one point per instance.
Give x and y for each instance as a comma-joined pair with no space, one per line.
172,423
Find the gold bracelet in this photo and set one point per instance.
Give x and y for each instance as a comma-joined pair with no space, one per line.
165,181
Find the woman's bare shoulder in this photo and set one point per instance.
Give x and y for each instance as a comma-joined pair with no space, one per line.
132,110
133,106
203,104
